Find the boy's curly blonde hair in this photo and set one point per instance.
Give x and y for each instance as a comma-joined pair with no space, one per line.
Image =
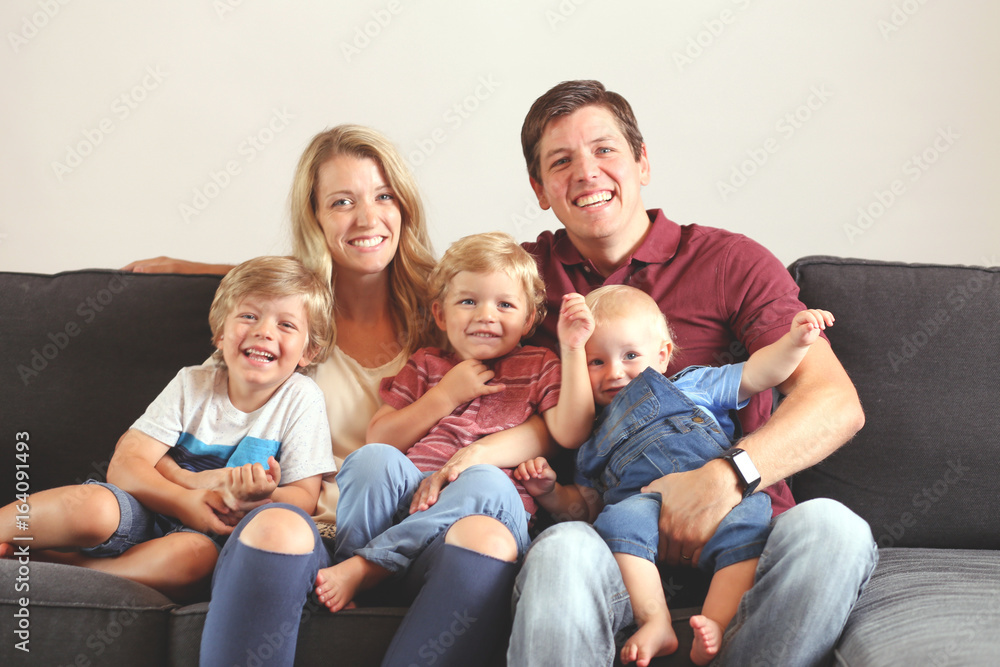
486,253
276,278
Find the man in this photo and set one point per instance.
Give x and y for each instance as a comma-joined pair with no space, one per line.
726,296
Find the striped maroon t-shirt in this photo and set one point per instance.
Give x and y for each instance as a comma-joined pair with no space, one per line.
531,376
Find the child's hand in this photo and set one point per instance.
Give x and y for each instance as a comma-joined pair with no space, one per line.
807,324
202,510
576,322
537,476
251,483
466,381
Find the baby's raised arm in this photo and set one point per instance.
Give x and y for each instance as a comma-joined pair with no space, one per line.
771,365
571,419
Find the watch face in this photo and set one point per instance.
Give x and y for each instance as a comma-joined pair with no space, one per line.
746,468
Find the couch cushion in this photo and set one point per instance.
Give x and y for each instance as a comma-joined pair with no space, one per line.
76,616
927,607
922,345
84,353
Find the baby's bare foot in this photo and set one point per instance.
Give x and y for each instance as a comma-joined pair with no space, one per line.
6,550
655,638
707,639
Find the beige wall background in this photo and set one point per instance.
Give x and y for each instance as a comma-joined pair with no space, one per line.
856,128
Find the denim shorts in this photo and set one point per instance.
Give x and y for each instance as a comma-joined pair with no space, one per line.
137,525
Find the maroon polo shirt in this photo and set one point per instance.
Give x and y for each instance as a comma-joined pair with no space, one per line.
725,296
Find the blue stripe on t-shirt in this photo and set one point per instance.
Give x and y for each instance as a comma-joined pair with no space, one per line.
194,455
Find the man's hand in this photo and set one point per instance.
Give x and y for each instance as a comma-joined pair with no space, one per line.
466,381
537,475
693,504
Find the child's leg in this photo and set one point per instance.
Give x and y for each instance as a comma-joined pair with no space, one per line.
479,490
376,483
179,565
723,598
78,516
655,635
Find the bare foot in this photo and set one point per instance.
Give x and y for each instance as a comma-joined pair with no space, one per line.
337,584
707,639
655,638
6,550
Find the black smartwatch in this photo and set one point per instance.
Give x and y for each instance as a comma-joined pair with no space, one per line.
746,471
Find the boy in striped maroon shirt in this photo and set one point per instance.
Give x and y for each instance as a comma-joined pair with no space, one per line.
486,296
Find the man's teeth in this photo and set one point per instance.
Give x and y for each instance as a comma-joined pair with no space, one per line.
596,198
368,243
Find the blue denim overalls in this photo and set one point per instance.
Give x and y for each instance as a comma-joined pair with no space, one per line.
652,429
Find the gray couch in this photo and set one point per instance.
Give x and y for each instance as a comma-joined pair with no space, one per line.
84,352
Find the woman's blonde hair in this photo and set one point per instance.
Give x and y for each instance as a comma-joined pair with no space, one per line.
275,278
487,253
414,258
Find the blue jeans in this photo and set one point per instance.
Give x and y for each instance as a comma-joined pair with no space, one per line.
377,483
570,600
652,429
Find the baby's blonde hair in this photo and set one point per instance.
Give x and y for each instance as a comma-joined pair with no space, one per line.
613,302
276,278
486,253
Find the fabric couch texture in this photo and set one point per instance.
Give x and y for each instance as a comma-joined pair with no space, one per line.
84,352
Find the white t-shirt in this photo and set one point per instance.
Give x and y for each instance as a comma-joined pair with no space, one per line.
351,392
194,416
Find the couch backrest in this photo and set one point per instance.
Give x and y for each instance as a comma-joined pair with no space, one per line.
922,345
83,354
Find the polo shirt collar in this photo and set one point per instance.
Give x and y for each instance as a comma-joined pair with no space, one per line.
660,244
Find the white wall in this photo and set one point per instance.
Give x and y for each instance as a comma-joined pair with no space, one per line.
117,112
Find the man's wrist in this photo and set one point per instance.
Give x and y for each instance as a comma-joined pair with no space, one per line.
747,476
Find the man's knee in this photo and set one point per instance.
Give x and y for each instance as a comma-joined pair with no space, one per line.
823,521
279,530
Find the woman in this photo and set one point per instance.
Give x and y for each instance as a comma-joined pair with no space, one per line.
357,219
